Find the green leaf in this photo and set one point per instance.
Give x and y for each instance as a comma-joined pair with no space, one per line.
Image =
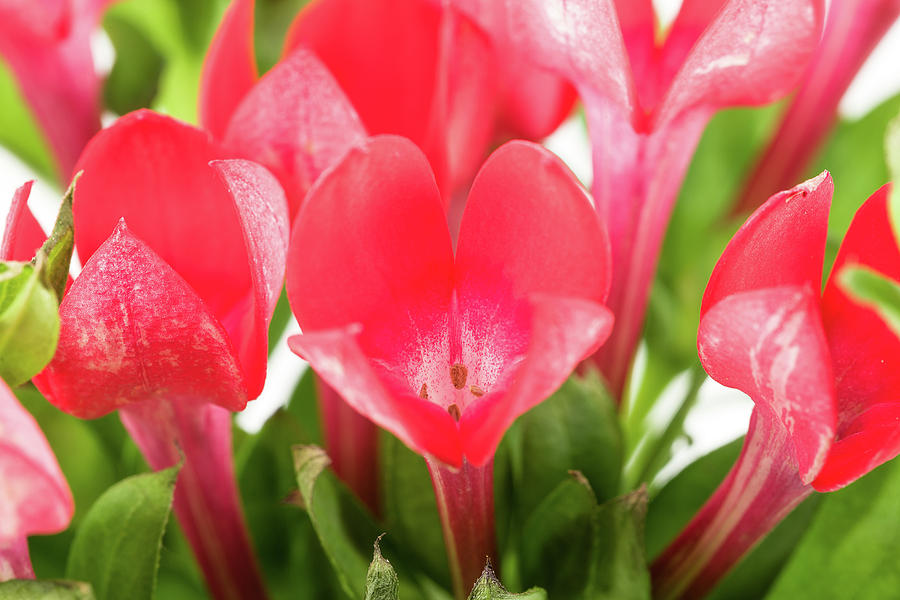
134,80
488,587
304,406
29,322
281,317
19,129
892,154
851,549
272,19
382,582
875,290
29,589
117,546
57,249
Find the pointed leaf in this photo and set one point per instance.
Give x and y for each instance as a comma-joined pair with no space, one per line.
381,579
57,250
488,587
117,546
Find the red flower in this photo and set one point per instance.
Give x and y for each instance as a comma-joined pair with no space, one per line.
823,371
647,105
168,319
36,497
47,47
23,235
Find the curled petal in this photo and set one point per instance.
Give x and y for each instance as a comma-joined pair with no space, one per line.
262,210
424,426
297,122
22,236
36,498
131,329
229,70
154,171
769,343
782,243
529,227
751,53
563,332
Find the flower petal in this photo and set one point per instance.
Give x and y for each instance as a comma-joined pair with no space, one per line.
371,241
753,52
23,235
36,497
154,171
297,122
769,343
530,227
425,427
782,243
262,210
229,70
131,329
563,332
637,21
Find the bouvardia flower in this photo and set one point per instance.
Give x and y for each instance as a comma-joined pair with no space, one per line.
35,496
853,29
647,103
47,46
167,322
823,371
446,349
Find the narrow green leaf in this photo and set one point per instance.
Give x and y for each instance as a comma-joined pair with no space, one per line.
892,154
29,322
117,546
382,582
488,587
619,569
134,80
875,290
29,589
57,249
19,129
304,406
852,547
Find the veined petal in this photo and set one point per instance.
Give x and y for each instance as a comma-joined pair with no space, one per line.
769,343
262,210
781,244
424,426
154,171
297,122
131,329
529,227
36,497
371,241
751,53
563,332
23,235
229,70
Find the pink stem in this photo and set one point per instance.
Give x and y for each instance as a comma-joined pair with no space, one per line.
853,30
14,560
465,499
207,502
352,444
637,177
761,489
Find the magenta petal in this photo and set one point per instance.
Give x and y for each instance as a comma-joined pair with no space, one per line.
769,343
530,227
154,171
782,243
262,210
563,332
23,235
637,20
131,330
424,426
297,121
229,70
753,52
36,497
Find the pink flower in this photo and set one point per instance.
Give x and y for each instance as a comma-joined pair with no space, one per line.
168,320
648,103
36,497
823,371
23,235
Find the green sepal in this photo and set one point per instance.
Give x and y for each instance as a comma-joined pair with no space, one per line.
56,251
382,582
488,587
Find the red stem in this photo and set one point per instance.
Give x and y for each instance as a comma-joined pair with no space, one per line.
15,563
206,502
853,30
352,444
465,499
760,490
